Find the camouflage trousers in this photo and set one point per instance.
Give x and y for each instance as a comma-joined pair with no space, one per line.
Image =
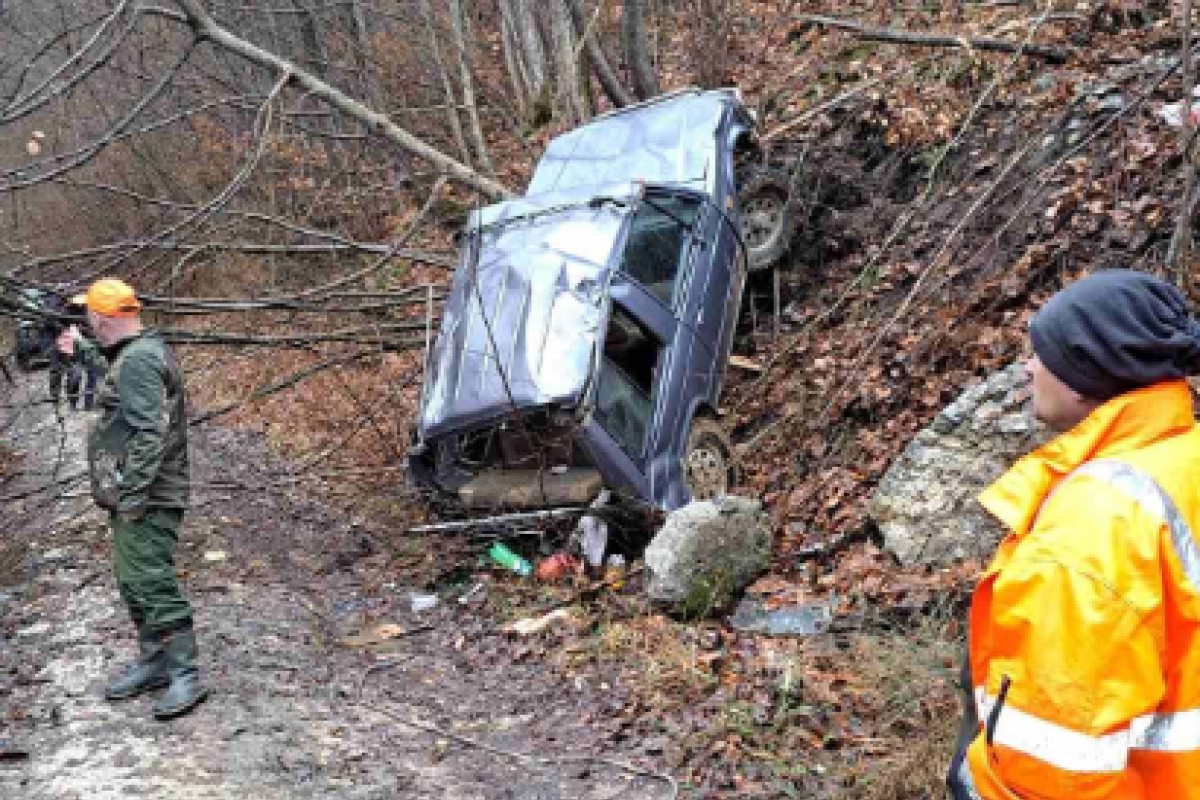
144,557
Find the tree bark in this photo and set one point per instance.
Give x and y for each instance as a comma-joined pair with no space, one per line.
460,27
616,92
1179,253
362,35
207,28
528,53
512,59
637,49
570,89
435,49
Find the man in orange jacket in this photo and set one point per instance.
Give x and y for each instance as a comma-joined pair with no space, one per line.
1084,651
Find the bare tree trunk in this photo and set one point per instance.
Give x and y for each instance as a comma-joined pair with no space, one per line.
317,58
1179,253
460,26
513,59
528,54
637,49
435,50
616,92
207,28
362,35
570,89
531,45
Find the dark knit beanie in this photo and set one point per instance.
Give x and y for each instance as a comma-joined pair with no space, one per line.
1114,331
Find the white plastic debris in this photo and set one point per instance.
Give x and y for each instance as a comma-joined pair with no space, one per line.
1172,113
423,602
594,539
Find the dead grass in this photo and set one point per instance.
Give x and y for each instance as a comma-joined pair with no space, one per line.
666,657
915,710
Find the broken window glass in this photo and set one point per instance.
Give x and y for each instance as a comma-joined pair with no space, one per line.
659,242
625,382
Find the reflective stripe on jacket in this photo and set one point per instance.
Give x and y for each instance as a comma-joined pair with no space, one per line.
1085,628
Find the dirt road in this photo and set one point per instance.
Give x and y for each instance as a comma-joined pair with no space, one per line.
278,579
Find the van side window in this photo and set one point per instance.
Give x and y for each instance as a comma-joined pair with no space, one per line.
625,382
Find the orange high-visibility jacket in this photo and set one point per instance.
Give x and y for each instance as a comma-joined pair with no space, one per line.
1085,629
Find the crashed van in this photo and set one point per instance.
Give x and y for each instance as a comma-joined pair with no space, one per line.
585,336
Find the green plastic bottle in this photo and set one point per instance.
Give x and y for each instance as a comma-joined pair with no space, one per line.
510,560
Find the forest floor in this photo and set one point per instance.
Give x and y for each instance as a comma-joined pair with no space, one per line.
326,683
311,698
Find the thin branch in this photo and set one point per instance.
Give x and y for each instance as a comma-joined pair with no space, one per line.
1049,54
115,131
27,103
206,27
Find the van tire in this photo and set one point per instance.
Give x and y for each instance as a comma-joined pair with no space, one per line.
767,215
709,465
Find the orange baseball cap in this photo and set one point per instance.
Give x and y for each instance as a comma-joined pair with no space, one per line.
111,297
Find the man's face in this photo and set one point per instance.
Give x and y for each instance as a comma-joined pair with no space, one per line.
99,325
1055,403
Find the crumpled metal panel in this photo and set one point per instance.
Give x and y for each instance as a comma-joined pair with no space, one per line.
522,327
670,142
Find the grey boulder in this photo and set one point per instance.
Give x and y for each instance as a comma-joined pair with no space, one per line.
706,553
926,506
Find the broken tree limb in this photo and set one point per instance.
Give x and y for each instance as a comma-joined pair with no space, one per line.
1052,55
501,521
205,27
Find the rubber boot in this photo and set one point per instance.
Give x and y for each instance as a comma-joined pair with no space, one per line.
185,691
148,672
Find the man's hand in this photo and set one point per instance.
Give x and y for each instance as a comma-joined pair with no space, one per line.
66,341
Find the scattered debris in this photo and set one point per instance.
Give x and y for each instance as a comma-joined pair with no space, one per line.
380,634
806,619
593,532
474,594
1172,113
499,522
747,364
557,567
422,602
502,556
531,625
614,571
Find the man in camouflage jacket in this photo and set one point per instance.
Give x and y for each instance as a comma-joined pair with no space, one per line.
138,463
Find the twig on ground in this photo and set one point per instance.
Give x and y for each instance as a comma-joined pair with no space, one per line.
1050,54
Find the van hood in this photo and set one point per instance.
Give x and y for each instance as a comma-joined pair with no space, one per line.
526,313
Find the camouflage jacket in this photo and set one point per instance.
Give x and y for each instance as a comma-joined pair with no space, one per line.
137,446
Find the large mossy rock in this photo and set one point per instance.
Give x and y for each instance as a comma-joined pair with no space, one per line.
706,553
926,505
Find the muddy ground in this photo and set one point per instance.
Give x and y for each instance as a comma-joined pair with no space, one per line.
279,577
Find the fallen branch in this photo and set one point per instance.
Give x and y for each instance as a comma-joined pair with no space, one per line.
205,27
1050,54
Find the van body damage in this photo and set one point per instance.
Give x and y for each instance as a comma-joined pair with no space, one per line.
589,323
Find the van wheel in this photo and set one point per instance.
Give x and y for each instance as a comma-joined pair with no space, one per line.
708,462
767,215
